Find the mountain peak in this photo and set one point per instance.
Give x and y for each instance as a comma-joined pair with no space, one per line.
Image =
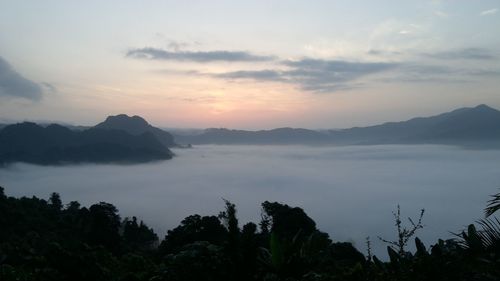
135,125
480,110
124,118
484,107
132,124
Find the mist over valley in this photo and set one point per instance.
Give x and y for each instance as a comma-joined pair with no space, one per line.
350,191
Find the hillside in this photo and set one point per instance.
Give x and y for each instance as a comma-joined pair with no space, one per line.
55,144
136,125
464,125
480,124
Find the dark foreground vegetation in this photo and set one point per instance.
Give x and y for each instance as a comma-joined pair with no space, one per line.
48,240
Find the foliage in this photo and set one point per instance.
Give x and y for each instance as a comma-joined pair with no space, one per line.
48,240
493,205
404,234
193,228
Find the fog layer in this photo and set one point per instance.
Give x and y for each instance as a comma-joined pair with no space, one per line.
349,191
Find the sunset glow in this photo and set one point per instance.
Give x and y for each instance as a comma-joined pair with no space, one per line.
254,64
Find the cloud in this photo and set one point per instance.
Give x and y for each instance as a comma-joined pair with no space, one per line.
489,12
441,14
414,72
450,54
485,72
330,75
177,46
13,84
330,183
421,73
381,52
337,70
315,75
49,87
265,75
466,53
202,56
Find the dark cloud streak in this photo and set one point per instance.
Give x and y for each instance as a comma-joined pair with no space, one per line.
326,75
204,56
464,54
13,84
263,75
314,74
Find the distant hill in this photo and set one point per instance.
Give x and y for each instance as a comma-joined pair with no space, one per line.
480,124
136,125
275,136
55,144
461,126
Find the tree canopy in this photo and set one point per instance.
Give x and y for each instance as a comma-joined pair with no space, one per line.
49,240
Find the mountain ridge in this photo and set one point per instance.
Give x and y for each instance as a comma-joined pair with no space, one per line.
463,126
55,144
460,126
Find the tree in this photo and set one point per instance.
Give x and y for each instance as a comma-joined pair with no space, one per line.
137,236
103,226
230,221
196,261
55,201
287,221
193,228
404,234
73,206
2,193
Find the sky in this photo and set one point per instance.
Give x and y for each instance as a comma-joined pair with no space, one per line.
246,64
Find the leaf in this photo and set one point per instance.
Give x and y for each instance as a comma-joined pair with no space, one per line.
421,251
493,205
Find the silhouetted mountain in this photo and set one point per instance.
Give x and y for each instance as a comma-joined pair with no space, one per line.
275,136
136,125
463,126
54,144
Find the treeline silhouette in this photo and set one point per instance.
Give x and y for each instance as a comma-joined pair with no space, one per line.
48,240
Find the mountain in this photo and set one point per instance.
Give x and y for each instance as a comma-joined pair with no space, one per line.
461,126
55,144
136,125
464,126
275,136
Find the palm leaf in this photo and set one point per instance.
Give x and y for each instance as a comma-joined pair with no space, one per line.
488,237
470,239
490,232
493,205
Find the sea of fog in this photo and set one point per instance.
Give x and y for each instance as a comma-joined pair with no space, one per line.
349,191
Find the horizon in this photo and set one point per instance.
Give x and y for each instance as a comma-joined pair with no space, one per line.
62,123
247,64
